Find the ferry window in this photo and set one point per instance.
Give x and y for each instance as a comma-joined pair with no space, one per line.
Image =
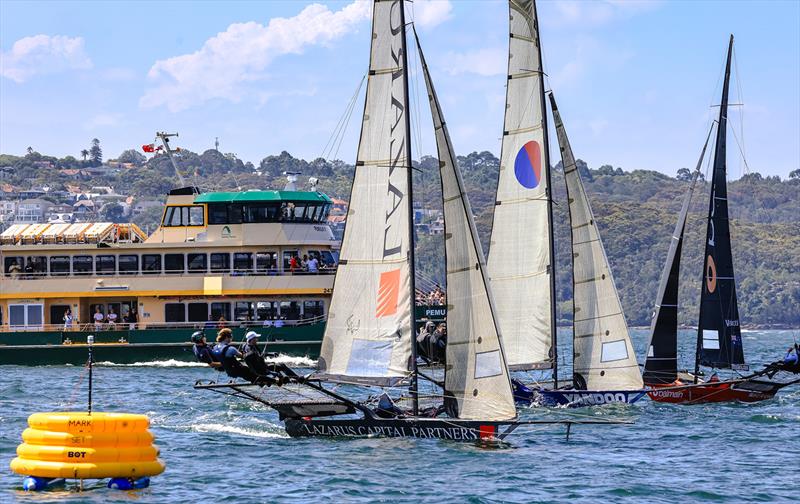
57,313
234,214
197,263
266,261
82,265
172,217
266,310
299,212
312,309
59,265
242,262
36,266
327,258
196,216
14,265
243,311
151,264
174,312
218,213
27,315
198,312
287,258
222,310
220,263
261,212
105,264
290,310
173,263
128,264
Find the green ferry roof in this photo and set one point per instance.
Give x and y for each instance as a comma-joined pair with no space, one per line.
263,196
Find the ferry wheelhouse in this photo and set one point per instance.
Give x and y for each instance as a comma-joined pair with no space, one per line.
217,259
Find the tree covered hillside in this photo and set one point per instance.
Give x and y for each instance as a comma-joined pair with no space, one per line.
636,212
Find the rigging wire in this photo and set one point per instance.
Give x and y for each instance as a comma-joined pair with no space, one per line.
331,149
743,166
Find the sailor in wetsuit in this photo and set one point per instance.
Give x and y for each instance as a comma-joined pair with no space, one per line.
252,354
203,352
226,353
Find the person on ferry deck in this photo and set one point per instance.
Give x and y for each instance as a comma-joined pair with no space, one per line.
112,317
68,319
313,265
98,318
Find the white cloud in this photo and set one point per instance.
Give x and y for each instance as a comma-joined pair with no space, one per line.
103,120
43,54
429,13
485,62
230,60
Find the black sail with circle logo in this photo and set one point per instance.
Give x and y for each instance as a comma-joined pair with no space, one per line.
719,340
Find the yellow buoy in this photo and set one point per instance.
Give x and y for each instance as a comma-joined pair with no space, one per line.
87,446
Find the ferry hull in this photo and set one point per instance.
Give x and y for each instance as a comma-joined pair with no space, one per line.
722,391
421,428
39,348
583,398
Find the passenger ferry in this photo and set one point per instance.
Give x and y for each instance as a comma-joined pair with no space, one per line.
229,259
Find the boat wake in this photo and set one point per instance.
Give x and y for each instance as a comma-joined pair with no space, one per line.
303,362
228,429
164,363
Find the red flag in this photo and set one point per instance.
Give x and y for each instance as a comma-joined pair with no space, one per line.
149,148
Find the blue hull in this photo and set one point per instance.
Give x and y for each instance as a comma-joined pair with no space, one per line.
583,398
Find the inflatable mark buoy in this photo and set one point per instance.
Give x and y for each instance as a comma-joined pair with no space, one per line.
77,445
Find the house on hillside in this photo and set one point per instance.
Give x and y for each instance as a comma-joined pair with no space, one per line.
32,211
139,206
84,210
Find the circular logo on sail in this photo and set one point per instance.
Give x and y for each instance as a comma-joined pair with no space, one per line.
711,275
528,165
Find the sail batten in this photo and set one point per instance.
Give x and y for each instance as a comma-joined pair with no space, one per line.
520,262
719,339
661,365
603,356
477,385
368,336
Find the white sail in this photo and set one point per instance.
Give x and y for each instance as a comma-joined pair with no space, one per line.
477,385
520,253
368,335
603,356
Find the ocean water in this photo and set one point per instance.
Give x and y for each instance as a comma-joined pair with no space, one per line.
223,449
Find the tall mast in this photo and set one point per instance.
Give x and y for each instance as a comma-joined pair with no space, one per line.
719,340
549,193
411,245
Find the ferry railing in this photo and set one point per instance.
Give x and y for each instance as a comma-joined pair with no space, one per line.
189,274
200,325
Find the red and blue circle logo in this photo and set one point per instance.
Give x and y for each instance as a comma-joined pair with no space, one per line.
528,165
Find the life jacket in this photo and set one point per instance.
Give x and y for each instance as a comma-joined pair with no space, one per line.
204,354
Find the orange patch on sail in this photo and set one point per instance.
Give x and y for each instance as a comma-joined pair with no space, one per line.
388,293
711,275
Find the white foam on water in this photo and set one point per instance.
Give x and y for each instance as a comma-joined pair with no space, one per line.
164,363
293,361
212,427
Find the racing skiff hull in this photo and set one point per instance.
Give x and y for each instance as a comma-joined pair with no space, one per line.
714,392
582,398
425,428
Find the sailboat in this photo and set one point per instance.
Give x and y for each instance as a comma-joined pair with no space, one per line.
369,336
719,339
521,254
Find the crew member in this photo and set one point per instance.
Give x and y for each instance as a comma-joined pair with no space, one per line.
252,355
228,355
203,352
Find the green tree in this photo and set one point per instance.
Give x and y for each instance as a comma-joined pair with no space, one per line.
84,153
112,212
684,175
132,156
96,153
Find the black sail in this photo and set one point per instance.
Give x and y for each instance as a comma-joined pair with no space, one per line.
661,365
719,340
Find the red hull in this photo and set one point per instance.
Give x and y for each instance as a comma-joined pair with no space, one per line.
722,391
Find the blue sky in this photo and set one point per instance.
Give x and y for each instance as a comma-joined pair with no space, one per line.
634,80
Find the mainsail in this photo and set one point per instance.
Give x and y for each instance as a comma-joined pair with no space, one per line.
477,385
719,340
603,357
520,260
368,335
661,366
